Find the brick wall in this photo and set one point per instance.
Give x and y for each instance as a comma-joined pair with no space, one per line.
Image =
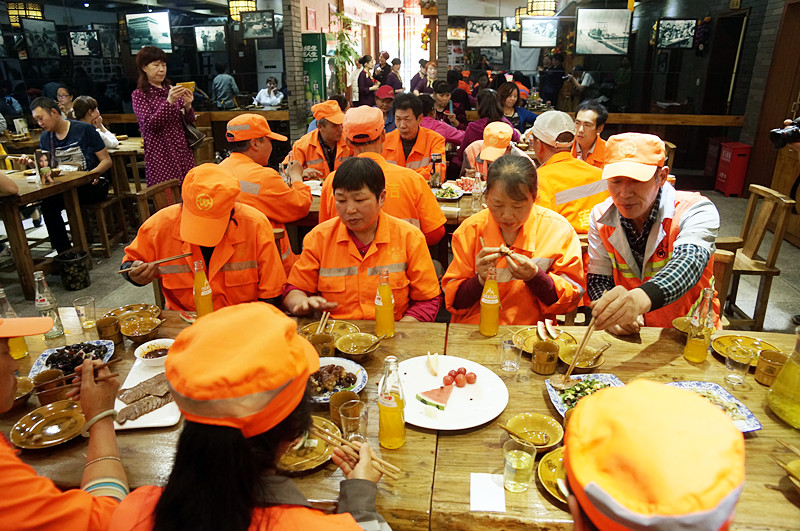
293,11
441,39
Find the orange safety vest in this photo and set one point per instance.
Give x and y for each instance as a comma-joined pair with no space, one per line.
524,93
263,188
419,159
331,266
307,150
473,157
244,267
408,197
597,157
572,188
613,238
545,237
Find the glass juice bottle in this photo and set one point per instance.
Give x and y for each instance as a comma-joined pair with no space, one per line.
384,307
46,305
490,305
391,401
784,395
203,302
700,328
16,345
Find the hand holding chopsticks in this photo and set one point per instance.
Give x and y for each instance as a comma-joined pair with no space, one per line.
74,374
352,450
168,259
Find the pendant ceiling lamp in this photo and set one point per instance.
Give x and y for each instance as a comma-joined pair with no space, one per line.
237,7
23,9
541,8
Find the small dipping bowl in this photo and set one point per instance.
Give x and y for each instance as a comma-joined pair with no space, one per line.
531,422
24,391
140,328
151,347
567,353
52,392
354,346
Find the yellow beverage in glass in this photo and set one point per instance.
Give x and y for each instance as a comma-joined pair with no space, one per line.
696,349
384,308
490,306
784,395
518,470
88,325
17,347
203,302
392,423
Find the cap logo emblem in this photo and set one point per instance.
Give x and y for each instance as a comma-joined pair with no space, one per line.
628,148
204,202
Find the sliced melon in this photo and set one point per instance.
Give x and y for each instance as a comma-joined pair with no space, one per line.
436,397
433,363
552,331
541,330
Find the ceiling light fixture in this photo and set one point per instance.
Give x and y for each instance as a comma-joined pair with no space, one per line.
23,9
541,8
237,7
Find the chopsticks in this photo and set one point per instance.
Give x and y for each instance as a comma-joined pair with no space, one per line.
786,468
792,448
74,374
352,450
158,261
578,352
323,322
102,378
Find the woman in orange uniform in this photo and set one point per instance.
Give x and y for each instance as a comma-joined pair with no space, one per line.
536,252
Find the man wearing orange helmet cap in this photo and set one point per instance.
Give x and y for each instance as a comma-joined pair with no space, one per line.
244,400
408,196
496,143
410,145
650,246
250,141
322,150
233,240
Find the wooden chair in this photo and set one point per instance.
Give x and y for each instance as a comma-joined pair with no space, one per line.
723,269
96,217
670,154
162,195
766,208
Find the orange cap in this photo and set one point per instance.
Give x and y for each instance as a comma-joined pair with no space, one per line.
248,126
25,326
651,456
496,138
363,124
634,155
247,381
209,193
330,110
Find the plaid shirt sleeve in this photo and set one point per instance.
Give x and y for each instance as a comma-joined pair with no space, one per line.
596,285
681,273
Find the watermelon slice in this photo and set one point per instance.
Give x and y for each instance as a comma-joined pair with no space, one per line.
436,397
541,330
552,331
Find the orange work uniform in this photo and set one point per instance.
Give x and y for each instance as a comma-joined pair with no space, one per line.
408,197
546,238
263,188
419,159
244,267
30,501
572,188
331,266
307,150
597,157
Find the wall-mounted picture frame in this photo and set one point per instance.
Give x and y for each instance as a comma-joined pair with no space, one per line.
85,44
675,33
456,34
258,24
210,38
493,55
109,39
149,29
40,38
311,19
538,32
484,32
602,31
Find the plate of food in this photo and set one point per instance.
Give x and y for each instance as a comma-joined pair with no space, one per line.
68,357
459,184
720,345
544,330
742,417
311,451
143,310
550,470
315,185
48,426
589,383
122,137
334,375
448,194
144,400
333,327
438,400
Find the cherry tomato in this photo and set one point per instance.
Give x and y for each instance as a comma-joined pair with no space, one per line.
447,380
452,374
471,377
461,370
461,380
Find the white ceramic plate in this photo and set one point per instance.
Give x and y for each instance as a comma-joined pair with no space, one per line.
469,406
561,407
166,415
349,366
459,194
749,422
316,187
39,365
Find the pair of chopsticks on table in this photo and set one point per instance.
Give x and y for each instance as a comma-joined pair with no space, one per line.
795,450
323,322
74,374
169,259
352,449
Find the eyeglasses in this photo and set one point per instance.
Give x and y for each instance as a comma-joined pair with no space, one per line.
62,96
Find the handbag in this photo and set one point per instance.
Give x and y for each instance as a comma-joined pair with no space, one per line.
193,135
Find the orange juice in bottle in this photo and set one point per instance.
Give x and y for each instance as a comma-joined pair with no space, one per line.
202,291
391,401
490,305
701,326
384,306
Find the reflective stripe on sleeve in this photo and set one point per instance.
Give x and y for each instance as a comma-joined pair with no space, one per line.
418,163
398,267
249,188
579,192
239,266
174,269
337,271
315,161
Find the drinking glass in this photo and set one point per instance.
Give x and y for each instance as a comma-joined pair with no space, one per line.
518,457
738,363
510,353
324,343
84,307
353,415
545,357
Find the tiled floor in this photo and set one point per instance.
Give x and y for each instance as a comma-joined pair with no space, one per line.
111,290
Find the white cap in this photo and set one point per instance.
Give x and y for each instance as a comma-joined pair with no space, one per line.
550,124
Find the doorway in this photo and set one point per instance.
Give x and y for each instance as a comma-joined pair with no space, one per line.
722,63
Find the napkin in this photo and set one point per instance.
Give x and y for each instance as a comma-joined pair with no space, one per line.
486,493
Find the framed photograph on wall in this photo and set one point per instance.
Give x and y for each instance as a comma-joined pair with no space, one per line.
456,34
675,33
109,39
84,44
149,29
538,32
258,24
484,32
602,31
210,38
493,55
40,38
311,19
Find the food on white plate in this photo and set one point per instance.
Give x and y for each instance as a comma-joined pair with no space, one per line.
331,378
436,397
583,388
155,386
143,406
460,377
728,407
446,193
432,362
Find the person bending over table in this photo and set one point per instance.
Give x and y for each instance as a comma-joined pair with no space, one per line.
321,151
496,143
29,501
408,196
637,278
429,121
410,145
244,406
489,110
542,274
234,241
85,109
342,258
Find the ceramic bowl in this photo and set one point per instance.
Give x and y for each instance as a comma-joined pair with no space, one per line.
24,391
536,422
567,353
150,346
354,346
141,329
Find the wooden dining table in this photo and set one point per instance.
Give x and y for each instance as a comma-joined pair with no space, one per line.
128,153
433,491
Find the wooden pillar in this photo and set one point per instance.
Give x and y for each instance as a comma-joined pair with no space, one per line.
293,51
441,39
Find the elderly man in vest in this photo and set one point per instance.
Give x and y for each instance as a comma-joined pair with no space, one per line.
321,151
650,246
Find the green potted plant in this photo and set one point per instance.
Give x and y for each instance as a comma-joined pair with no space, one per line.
346,52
